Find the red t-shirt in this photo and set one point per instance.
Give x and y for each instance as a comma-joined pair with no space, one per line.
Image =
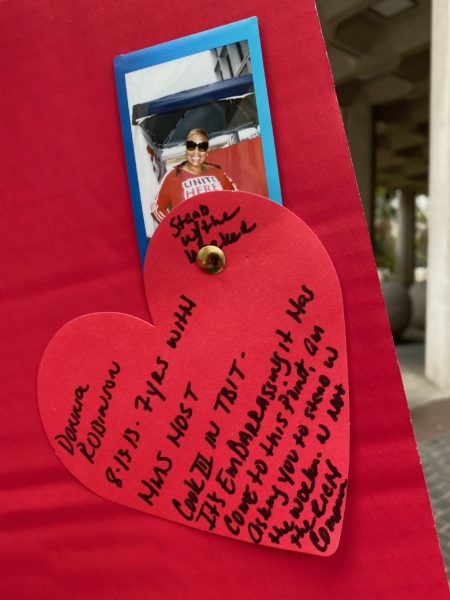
176,188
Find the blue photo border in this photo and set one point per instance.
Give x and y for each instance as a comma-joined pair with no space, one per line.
246,30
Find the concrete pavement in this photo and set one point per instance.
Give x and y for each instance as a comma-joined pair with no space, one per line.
430,414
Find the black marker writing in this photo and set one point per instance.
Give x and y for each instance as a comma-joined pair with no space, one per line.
97,427
185,311
299,305
123,456
154,484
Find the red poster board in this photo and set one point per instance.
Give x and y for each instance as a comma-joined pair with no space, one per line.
68,248
244,163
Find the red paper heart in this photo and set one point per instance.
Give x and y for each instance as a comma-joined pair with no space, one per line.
230,414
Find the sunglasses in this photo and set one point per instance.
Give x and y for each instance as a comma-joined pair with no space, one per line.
202,146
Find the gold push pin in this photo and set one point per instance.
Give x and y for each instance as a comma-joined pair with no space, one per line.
211,259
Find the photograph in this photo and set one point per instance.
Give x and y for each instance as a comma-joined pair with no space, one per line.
197,123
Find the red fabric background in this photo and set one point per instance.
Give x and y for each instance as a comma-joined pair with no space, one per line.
68,247
244,163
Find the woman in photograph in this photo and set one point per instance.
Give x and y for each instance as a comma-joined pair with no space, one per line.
192,177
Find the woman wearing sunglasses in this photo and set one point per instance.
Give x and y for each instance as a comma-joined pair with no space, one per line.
192,177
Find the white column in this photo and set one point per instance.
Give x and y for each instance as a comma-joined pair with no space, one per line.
358,121
405,250
437,359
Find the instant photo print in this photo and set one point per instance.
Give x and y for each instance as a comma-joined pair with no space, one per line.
195,118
